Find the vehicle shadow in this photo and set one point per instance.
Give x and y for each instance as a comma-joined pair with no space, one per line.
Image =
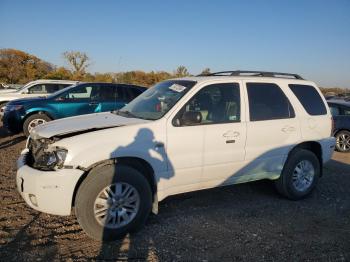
148,148
12,142
3,132
262,168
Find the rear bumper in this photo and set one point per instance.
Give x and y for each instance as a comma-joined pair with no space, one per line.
328,146
46,191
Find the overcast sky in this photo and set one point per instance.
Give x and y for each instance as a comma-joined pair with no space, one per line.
311,38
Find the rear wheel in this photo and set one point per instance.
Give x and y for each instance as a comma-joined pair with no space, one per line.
112,201
343,141
300,174
33,121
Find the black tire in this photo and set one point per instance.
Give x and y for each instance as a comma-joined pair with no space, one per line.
342,141
96,181
30,119
284,183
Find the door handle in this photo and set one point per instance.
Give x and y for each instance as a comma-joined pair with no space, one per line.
288,129
231,133
93,103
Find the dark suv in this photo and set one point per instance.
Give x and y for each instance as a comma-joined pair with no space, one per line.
340,110
84,98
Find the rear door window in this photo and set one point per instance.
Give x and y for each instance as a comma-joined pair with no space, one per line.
310,99
51,88
268,102
134,92
126,93
346,111
104,93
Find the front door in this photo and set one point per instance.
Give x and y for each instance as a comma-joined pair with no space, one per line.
79,101
225,134
210,151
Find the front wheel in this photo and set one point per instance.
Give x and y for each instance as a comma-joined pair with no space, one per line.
343,141
112,201
300,174
33,121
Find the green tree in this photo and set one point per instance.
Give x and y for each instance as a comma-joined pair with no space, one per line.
181,71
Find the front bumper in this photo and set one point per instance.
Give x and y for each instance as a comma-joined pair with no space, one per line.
12,121
46,191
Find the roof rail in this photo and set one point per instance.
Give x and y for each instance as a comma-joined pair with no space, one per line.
253,73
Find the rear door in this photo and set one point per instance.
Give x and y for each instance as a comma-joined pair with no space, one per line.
104,97
272,129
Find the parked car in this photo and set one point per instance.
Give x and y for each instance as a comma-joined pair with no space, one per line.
9,87
32,89
340,110
180,135
25,114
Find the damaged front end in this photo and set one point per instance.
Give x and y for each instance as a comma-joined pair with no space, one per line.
47,157
43,156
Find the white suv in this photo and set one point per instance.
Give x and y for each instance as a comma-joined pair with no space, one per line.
181,135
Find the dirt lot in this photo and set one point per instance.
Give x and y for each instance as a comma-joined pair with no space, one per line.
242,222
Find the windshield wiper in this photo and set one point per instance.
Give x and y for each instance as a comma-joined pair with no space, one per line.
128,114
124,113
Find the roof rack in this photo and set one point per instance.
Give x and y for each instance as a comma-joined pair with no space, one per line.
253,73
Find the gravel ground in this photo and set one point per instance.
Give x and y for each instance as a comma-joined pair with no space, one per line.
242,222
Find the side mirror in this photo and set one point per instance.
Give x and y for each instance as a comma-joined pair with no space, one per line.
191,118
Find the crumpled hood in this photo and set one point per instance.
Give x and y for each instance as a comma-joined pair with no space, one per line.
77,124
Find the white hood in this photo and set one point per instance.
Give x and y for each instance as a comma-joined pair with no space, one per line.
82,123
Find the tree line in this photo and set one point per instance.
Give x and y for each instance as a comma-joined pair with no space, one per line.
18,67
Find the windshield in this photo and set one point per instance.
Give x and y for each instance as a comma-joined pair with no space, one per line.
25,86
157,100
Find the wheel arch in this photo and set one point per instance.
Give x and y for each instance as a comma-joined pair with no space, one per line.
340,130
314,147
37,112
135,162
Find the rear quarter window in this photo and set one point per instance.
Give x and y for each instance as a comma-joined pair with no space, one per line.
310,99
